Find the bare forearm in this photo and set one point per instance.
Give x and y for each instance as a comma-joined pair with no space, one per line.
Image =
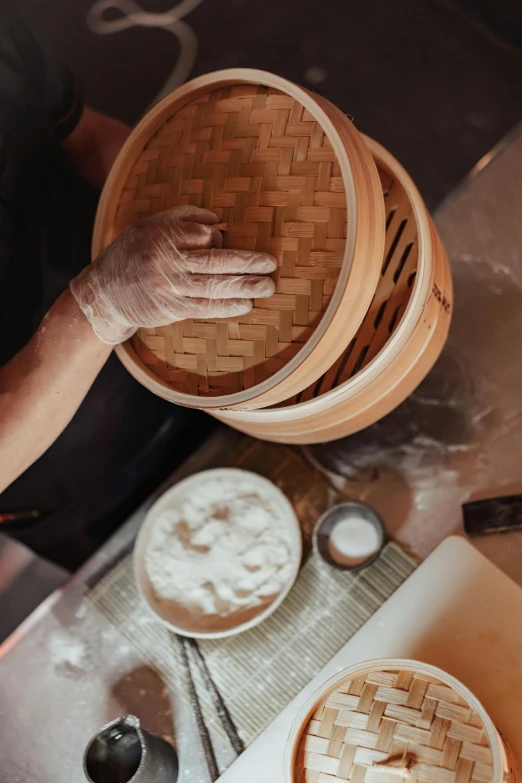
93,145
42,387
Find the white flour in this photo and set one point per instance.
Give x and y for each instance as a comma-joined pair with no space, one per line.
222,548
353,540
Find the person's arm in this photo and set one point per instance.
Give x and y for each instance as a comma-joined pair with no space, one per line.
42,387
160,270
93,145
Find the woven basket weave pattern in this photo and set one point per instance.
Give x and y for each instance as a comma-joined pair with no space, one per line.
386,716
261,161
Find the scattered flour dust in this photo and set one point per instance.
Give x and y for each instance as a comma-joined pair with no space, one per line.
221,553
69,654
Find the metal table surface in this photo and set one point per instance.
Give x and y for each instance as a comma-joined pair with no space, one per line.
67,671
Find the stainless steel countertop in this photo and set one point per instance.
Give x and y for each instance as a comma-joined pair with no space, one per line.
67,671
459,436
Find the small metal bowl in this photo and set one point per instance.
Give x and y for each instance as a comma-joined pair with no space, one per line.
340,513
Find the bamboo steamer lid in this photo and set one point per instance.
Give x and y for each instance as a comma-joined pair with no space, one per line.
289,175
390,720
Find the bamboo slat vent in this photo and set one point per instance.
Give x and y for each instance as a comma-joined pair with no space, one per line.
394,288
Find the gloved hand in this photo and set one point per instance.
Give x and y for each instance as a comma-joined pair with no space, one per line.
166,268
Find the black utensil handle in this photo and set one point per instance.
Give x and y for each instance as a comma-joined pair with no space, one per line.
221,708
493,515
206,742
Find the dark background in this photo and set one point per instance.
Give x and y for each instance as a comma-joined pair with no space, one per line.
439,83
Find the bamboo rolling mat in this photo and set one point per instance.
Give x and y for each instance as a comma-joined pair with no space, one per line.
259,671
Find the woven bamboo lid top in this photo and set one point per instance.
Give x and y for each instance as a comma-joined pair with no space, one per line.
265,165
258,159
381,726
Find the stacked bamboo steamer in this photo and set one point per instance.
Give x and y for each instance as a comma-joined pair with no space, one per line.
391,720
363,291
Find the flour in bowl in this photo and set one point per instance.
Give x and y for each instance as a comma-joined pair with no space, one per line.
222,549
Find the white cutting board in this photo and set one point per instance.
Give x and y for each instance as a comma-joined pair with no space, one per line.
458,612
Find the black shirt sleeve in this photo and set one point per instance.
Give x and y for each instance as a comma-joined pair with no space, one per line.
40,104
64,99
27,69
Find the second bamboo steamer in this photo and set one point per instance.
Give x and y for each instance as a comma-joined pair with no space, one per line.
363,298
398,342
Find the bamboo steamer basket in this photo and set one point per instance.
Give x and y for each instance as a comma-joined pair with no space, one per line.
398,342
389,720
290,175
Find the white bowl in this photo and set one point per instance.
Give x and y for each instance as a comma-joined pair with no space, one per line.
266,489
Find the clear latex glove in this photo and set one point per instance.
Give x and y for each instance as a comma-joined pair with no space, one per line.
167,268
